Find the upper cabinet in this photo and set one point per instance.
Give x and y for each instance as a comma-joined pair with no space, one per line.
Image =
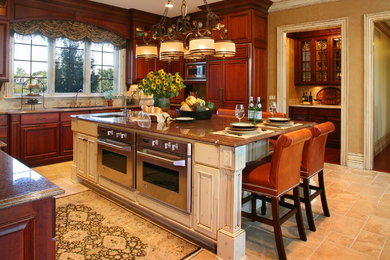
4,40
317,57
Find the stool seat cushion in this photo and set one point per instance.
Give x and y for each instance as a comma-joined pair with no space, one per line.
257,178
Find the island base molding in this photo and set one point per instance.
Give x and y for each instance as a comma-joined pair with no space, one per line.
231,246
155,218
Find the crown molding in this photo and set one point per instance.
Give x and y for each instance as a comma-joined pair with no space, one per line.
290,4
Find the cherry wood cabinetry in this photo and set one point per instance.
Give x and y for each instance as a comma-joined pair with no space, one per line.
4,49
320,115
317,57
4,130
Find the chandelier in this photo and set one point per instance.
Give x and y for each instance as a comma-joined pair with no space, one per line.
191,39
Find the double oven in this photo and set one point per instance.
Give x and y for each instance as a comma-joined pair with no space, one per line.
158,168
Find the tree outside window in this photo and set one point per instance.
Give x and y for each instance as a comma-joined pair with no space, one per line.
102,67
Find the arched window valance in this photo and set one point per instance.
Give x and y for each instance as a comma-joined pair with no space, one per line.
72,30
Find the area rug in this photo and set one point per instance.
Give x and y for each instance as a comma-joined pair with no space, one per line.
89,226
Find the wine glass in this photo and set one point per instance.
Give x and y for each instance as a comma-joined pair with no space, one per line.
273,108
240,111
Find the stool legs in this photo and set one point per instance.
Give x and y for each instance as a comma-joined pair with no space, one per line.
277,229
298,215
309,212
323,195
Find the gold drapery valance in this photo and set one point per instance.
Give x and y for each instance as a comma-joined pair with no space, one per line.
75,31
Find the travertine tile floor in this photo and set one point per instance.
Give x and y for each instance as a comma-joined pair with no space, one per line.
359,226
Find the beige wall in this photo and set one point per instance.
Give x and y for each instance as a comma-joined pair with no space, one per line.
354,10
381,88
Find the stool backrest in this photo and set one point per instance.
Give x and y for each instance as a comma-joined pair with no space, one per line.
287,158
226,112
314,149
268,115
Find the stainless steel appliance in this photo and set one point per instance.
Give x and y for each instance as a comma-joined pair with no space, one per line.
116,156
196,71
164,170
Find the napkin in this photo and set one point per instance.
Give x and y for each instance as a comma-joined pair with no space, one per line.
163,118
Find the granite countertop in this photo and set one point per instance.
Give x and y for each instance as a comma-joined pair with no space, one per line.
63,109
20,184
199,130
318,106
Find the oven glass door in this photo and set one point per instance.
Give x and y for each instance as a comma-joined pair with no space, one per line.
166,178
116,164
196,71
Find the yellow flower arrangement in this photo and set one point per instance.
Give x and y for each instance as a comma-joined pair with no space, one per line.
162,84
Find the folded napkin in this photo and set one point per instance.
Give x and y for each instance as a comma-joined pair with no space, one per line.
163,118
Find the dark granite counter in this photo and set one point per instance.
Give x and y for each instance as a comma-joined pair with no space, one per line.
63,109
20,184
199,130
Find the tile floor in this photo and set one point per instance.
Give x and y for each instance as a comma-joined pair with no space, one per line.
359,226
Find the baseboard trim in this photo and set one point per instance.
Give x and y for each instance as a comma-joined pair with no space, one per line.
381,143
355,160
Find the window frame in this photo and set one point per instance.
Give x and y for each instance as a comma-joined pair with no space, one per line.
119,85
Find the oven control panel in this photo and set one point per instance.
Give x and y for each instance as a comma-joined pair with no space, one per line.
115,134
164,145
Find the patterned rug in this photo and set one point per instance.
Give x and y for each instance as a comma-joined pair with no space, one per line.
92,227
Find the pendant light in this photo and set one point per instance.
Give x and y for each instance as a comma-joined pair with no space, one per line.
225,49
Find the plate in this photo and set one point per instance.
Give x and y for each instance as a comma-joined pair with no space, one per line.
279,119
243,129
240,132
185,119
242,125
279,124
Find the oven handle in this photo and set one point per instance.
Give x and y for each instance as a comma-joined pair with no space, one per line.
125,148
180,163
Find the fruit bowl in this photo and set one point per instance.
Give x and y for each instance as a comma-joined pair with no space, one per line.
202,115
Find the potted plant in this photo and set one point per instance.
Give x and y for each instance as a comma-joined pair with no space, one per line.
163,86
109,96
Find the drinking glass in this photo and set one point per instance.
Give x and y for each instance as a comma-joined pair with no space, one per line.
240,111
273,108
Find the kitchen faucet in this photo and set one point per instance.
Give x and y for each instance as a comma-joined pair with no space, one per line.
125,111
77,93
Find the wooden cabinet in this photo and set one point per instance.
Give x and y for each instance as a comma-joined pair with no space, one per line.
317,57
228,82
320,115
87,157
239,26
4,131
4,51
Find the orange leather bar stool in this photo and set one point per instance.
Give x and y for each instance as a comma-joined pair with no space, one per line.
268,115
271,180
313,163
226,112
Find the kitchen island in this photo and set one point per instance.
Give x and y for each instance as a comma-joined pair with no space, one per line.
27,212
213,215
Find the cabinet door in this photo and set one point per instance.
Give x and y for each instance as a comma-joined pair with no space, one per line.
236,83
303,62
214,82
4,45
336,60
142,68
321,59
66,139
239,26
91,159
39,141
82,148
206,197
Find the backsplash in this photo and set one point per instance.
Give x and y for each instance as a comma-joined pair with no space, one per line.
307,89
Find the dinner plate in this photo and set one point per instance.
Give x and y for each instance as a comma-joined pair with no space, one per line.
242,125
240,132
279,119
242,129
279,124
184,119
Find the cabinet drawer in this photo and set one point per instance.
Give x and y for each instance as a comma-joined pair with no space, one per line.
3,131
39,118
299,110
65,116
3,120
325,112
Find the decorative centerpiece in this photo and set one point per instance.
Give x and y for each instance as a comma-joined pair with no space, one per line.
163,86
196,108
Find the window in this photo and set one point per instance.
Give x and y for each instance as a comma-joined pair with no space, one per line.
64,66
30,61
102,62
69,72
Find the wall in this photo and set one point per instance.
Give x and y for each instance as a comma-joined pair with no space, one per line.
381,90
355,11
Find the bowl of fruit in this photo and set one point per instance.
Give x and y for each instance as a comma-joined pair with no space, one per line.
196,108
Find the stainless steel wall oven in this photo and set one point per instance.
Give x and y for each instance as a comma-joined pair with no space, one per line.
164,170
116,156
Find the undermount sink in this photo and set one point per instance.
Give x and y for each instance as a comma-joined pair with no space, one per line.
108,116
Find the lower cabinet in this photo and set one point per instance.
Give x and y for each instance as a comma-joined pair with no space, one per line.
66,139
206,183
87,157
39,142
320,115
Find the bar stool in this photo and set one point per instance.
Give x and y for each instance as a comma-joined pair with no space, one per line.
313,163
271,180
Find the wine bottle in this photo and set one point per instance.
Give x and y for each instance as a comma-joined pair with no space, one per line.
251,110
311,99
303,97
258,111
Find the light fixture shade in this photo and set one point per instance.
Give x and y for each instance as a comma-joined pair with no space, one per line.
225,48
202,45
172,48
195,56
146,51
